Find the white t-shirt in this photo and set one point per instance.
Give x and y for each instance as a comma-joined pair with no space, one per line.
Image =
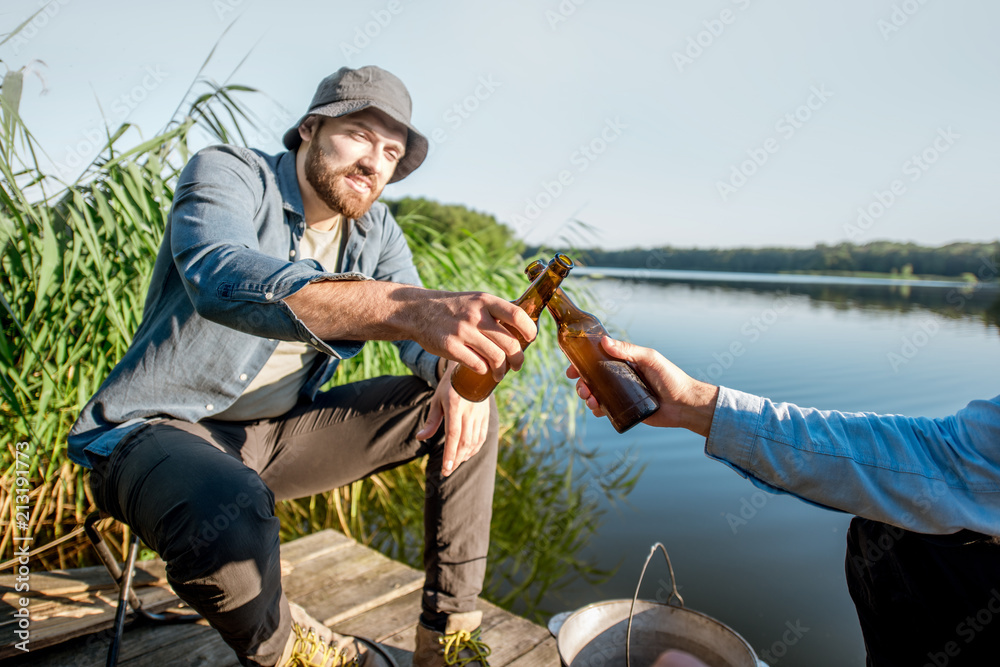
275,389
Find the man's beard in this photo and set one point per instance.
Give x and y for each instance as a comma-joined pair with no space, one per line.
330,188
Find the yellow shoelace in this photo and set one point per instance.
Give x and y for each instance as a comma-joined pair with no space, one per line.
309,651
456,642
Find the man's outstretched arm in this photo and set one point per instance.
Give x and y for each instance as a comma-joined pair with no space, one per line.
926,475
462,326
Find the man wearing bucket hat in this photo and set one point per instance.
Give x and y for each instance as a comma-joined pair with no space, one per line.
272,269
923,551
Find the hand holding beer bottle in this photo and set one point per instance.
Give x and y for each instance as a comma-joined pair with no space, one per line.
475,387
621,392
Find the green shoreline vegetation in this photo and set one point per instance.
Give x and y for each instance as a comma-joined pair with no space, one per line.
964,261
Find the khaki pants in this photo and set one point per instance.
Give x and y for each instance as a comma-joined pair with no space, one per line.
202,496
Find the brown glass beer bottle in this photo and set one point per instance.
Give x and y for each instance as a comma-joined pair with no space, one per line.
475,387
618,388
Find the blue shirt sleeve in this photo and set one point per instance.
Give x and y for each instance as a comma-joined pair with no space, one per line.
925,475
215,246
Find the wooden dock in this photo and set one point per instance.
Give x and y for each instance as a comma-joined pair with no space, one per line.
350,587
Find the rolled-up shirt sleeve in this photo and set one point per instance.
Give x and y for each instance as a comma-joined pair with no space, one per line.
926,475
216,250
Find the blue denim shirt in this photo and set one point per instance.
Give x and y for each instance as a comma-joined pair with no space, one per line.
214,311
926,475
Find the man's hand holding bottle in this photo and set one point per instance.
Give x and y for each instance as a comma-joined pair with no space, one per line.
684,401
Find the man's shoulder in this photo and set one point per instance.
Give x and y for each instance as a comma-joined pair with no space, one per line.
379,214
227,165
231,156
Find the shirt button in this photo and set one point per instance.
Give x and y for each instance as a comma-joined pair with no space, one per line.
291,254
209,407
313,341
243,377
269,296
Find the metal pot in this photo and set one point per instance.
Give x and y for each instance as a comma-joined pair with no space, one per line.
636,632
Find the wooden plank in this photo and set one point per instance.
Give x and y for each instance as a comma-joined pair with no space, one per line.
153,572
356,595
147,645
95,611
405,640
87,603
352,588
91,650
327,571
384,621
70,603
206,649
66,582
543,655
314,545
512,638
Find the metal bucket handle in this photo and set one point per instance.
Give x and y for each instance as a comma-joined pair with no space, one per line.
631,611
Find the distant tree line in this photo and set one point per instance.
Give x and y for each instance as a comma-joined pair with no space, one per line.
955,259
453,221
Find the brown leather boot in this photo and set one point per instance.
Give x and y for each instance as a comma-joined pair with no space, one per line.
312,644
458,646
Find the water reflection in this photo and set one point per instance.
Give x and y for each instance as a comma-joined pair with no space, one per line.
832,348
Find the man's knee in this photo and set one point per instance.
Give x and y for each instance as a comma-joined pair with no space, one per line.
232,521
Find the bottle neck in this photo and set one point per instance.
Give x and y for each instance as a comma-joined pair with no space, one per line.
542,289
560,304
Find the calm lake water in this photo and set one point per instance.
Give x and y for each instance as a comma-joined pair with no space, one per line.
851,345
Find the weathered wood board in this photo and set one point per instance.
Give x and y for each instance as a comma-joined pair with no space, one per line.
350,587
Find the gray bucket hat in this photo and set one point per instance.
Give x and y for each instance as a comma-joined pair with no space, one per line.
347,91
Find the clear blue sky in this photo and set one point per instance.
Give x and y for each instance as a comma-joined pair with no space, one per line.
712,123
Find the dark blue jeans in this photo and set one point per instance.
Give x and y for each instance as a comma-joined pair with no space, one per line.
202,496
925,600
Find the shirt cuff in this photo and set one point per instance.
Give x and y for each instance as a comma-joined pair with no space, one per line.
422,363
427,368
734,428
